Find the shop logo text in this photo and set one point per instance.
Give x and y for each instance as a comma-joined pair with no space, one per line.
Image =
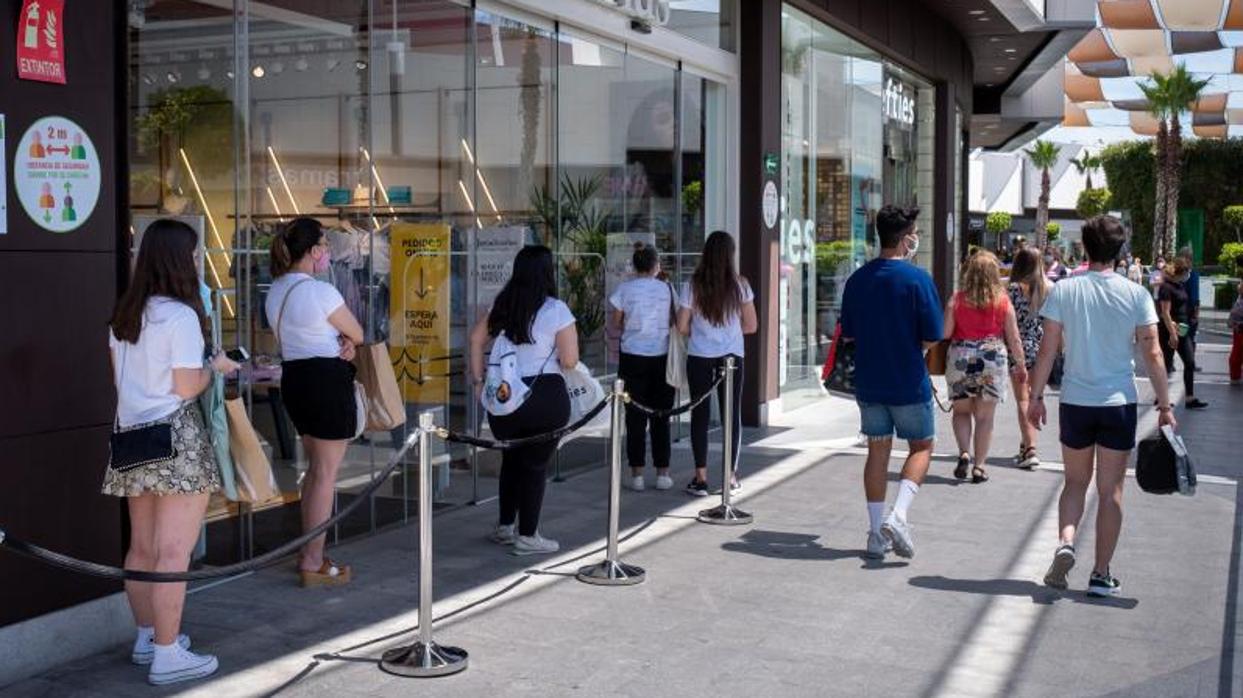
898,106
652,11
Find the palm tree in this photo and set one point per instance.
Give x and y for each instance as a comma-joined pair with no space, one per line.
1085,163
1168,96
1043,156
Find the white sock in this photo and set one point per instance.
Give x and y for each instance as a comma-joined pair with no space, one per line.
906,495
876,514
166,651
146,633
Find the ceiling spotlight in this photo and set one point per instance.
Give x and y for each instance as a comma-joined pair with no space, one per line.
994,39
300,64
258,71
172,76
975,12
982,19
1012,50
360,64
277,67
228,74
147,79
204,73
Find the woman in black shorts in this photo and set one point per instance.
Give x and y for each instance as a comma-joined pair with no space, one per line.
316,334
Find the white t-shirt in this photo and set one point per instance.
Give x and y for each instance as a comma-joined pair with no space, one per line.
171,337
1099,313
645,303
707,340
305,332
541,354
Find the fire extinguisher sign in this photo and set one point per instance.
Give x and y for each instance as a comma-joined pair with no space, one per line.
41,41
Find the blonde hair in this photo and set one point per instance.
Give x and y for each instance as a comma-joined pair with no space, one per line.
981,279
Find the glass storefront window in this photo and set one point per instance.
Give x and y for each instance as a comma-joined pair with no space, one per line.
857,133
432,139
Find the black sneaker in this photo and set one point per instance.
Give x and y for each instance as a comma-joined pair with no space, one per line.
697,488
1063,561
1195,404
1103,585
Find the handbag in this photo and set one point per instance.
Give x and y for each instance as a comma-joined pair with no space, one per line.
144,444
1163,465
385,408
360,393
936,358
675,358
838,374
216,419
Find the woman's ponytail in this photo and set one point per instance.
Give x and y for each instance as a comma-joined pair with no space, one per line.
279,261
293,243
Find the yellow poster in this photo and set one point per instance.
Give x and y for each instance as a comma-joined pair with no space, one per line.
419,340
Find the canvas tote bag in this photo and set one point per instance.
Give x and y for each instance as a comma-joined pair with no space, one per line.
386,410
252,469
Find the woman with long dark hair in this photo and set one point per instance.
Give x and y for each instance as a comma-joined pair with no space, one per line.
716,309
1028,289
541,330
158,345
316,335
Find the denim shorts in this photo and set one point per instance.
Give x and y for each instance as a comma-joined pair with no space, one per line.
912,422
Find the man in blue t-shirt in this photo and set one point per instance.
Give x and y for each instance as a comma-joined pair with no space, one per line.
891,309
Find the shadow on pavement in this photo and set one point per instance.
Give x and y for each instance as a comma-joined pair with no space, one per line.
1017,587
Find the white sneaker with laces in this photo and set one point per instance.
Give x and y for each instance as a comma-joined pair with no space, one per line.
898,532
636,483
503,535
175,664
664,482
877,546
535,545
144,647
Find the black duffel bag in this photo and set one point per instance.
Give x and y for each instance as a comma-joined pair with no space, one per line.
1163,465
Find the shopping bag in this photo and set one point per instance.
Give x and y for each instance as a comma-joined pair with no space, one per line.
385,408
253,470
585,393
675,359
216,419
1163,465
838,373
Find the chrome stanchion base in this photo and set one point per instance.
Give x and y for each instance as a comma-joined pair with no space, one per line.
611,573
424,661
725,515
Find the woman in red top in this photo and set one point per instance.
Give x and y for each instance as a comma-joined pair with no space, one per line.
980,323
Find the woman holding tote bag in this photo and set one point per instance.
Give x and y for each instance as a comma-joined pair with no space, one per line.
162,460
642,307
317,335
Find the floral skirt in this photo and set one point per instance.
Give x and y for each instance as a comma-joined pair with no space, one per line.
192,471
977,368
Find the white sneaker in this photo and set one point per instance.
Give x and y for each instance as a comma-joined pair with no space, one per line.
636,483
144,648
503,535
180,665
664,482
878,546
535,545
898,532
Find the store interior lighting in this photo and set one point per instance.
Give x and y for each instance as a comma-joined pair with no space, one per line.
211,222
284,182
469,203
258,71
379,182
487,191
275,206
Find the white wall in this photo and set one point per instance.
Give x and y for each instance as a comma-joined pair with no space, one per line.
1008,182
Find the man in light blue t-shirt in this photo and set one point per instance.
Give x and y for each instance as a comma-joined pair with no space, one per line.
1100,315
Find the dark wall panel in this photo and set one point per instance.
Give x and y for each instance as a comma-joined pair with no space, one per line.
901,40
49,494
874,20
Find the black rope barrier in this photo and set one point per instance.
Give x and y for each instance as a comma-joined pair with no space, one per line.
674,411
96,569
504,444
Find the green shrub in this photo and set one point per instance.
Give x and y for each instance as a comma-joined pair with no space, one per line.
1224,295
1092,202
1232,219
1053,230
1231,257
998,222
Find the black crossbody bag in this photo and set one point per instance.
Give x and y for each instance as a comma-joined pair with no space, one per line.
141,445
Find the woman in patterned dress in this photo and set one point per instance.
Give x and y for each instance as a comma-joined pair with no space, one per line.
1028,289
980,324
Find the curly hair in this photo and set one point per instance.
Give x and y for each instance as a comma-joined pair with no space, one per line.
980,280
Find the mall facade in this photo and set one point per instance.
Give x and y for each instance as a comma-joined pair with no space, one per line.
433,138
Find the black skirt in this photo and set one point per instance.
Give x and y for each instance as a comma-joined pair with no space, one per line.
319,396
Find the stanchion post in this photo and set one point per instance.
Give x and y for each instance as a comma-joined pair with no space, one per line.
725,513
612,571
425,658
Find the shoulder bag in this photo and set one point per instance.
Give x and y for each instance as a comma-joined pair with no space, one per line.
675,359
145,444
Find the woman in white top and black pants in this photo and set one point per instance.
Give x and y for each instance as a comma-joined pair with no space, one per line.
717,309
158,345
542,331
316,334
643,307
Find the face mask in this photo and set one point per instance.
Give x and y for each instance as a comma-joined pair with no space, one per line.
321,264
912,246
1048,259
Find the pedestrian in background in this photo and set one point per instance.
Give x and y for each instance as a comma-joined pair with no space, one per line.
980,323
316,335
1101,316
1193,297
158,339
716,309
1028,289
644,307
1175,306
891,310
543,334
1135,272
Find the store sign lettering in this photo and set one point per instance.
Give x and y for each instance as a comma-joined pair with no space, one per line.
798,241
40,41
899,102
651,11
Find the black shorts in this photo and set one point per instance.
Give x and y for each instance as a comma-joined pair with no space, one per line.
319,396
1112,427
